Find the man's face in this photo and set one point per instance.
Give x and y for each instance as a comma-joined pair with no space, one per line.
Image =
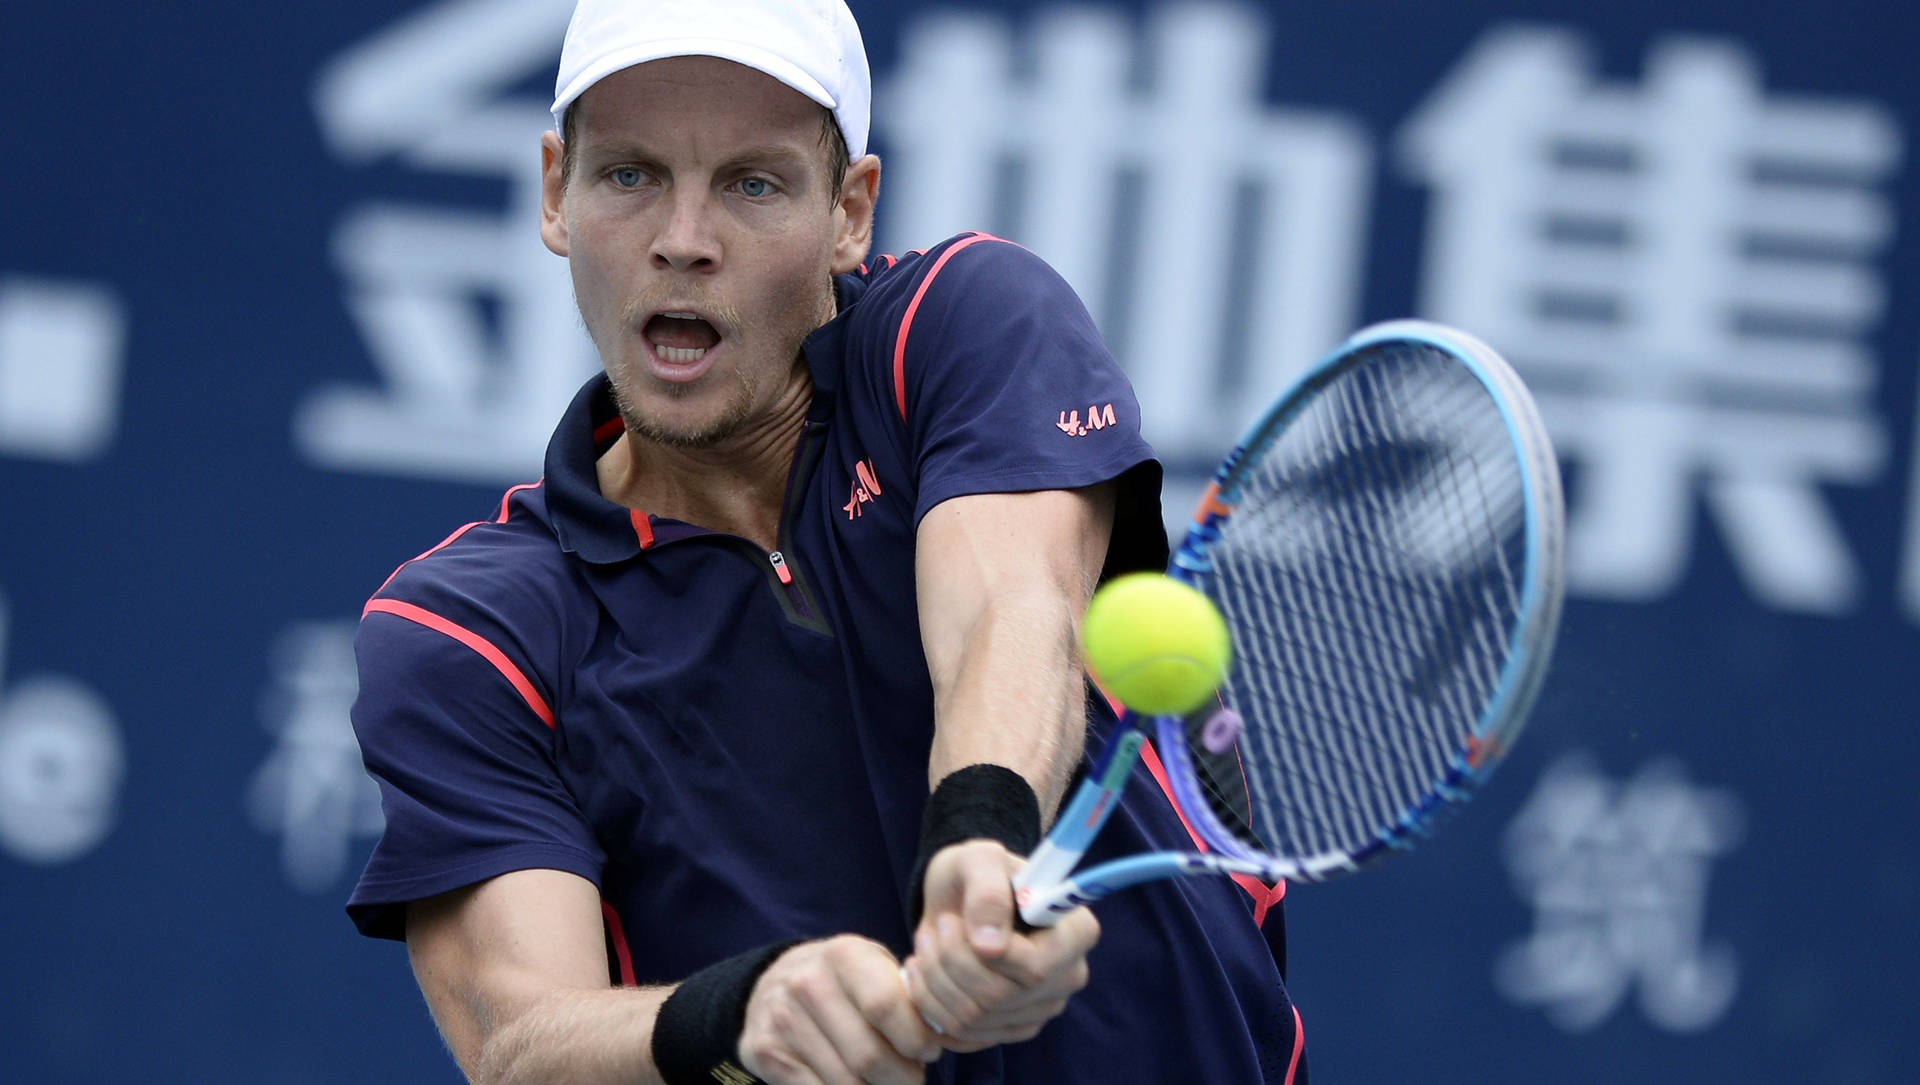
702,239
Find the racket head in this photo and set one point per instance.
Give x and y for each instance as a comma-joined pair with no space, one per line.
1386,545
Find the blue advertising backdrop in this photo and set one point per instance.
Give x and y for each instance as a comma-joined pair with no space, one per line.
274,317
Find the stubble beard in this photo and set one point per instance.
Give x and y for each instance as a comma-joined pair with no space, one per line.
735,411
737,408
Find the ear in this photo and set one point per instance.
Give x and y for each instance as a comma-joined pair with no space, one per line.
854,214
553,223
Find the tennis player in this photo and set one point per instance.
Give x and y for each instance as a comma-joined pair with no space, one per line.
708,757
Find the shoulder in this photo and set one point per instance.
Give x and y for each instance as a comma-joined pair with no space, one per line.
501,587
971,306
510,556
960,268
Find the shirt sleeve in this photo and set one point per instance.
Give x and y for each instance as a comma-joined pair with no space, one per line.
1007,385
465,765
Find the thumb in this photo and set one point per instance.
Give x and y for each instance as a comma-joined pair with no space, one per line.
987,901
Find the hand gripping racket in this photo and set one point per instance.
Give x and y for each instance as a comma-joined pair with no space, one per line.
1385,546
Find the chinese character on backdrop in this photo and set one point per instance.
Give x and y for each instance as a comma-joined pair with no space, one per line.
468,319
1616,873
1686,269
313,791
61,348
1216,239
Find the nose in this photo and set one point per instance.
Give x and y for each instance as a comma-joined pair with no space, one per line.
687,241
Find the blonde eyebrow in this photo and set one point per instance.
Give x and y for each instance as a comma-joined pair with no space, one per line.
611,150
772,153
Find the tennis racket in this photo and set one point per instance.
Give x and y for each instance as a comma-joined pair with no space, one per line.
1385,546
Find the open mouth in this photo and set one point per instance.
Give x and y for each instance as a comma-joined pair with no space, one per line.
680,338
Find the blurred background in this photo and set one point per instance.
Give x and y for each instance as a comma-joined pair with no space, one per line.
274,318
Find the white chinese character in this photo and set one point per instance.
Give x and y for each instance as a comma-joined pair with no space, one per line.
1217,240
468,318
1684,269
313,790
60,363
61,765
1617,878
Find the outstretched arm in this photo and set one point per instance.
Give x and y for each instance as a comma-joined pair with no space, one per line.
1003,580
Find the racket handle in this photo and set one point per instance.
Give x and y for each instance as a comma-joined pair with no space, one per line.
1048,865
1046,906
1044,878
1047,868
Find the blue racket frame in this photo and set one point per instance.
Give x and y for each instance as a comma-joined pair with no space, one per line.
1045,888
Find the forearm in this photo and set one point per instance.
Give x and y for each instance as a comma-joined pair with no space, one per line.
1017,697
1004,580
585,1036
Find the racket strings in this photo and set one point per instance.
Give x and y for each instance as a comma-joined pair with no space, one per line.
1371,578
1335,687
1485,525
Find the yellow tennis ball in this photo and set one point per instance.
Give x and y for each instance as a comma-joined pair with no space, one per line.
1157,645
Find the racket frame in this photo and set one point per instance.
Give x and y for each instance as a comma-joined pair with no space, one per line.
1044,889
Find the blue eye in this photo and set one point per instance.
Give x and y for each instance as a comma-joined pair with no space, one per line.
755,187
627,177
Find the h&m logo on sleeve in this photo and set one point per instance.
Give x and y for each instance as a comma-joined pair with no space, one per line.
1097,418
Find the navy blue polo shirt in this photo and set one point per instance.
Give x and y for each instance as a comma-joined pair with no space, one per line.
732,743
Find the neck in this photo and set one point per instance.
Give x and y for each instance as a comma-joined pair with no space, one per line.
735,486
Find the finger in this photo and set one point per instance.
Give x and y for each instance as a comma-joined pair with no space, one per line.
908,980
936,1016
789,1072
940,1001
1011,1034
1014,1029
879,990
939,1018
1026,1014
957,1022
785,1047
959,962
974,991
860,1053
787,1038
1051,961
944,887
987,903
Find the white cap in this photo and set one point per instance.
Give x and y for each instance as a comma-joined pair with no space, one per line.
812,46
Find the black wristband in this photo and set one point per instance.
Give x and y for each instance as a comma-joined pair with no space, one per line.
990,801
696,1034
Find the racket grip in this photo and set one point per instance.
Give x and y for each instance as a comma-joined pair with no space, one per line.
1046,868
1045,907
1048,865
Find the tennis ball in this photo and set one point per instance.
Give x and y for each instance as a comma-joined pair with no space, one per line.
1157,645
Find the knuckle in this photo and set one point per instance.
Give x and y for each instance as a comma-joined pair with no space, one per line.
774,988
866,1060
781,1019
812,988
873,1004
760,1050
969,1015
849,950
1029,973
